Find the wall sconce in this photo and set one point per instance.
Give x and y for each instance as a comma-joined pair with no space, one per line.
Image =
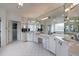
46,18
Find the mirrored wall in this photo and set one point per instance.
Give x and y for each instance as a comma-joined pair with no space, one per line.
71,20
55,21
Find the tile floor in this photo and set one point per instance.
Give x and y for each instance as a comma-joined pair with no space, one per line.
19,48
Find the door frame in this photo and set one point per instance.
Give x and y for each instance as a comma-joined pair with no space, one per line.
0,31
10,30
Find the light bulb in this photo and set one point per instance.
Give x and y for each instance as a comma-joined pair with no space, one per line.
44,18
67,9
24,26
20,4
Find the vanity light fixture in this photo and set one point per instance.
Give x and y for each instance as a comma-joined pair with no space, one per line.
67,9
67,18
24,26
74,4
45,18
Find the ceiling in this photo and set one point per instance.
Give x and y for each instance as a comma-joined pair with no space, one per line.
74,12
30,9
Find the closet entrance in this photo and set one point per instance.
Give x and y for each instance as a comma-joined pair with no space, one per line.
14,30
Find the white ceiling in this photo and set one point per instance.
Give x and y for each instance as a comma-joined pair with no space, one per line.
30,9
74,12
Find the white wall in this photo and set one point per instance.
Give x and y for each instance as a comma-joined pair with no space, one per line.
19,31
10,31
23,35
3,28
16,17
9,35
6,27
11,16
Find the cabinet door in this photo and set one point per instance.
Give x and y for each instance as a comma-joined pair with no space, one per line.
58,47
45,42
52,44
64,49
35,38
30,36
61,48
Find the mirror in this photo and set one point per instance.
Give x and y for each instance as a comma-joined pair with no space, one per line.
55,21
71,21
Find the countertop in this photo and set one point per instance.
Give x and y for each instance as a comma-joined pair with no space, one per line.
73,46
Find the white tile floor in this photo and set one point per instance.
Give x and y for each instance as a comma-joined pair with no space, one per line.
19,48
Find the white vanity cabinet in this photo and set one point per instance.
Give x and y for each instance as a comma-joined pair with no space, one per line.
35,38
52,44
58,47
61,48
49,44
45,42
55,44
29,36
64,49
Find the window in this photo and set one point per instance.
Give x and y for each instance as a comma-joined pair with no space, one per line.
32,27
59,27
52,29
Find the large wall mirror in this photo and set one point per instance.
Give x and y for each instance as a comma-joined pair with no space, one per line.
53,21
71,21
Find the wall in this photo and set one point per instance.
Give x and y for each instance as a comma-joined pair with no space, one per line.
23,35
3,28
12,16
6,28
19,31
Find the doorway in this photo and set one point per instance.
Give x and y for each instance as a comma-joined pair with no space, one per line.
14,30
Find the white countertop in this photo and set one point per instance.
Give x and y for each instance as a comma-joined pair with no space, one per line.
73,46
60,38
